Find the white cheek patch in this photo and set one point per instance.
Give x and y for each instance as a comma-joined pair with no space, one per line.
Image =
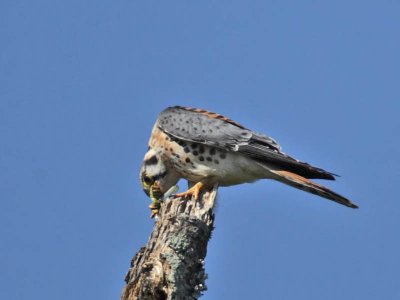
155,171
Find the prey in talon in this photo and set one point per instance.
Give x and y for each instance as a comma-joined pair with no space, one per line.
156,197
156,202
207,148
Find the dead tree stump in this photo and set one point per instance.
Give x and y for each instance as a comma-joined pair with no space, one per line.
171,265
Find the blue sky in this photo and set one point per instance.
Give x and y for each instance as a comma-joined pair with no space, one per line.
82,82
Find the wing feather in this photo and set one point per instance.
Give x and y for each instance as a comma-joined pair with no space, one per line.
201,126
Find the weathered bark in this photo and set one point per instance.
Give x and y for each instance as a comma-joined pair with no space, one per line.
171,266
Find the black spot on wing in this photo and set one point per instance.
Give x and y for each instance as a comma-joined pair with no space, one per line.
200,128
209,114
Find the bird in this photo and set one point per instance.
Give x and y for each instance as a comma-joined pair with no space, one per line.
207,148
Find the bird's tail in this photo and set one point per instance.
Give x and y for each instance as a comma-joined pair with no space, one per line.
307,185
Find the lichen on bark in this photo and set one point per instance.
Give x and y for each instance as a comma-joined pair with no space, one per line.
171,265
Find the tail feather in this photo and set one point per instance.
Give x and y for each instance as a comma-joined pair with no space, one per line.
307,185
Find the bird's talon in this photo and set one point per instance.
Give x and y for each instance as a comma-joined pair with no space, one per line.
192,193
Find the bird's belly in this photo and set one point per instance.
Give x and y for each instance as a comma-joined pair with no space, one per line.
239,169
231,169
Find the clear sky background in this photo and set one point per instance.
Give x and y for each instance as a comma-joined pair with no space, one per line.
82,82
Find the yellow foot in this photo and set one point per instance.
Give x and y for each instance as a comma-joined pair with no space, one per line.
193,192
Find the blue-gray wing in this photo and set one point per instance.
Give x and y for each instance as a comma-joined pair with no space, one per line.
204,127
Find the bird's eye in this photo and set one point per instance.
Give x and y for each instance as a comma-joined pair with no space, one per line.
148,180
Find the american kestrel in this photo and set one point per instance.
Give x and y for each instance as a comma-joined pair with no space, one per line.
207,149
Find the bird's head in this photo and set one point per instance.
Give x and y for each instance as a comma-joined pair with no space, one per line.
155,177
